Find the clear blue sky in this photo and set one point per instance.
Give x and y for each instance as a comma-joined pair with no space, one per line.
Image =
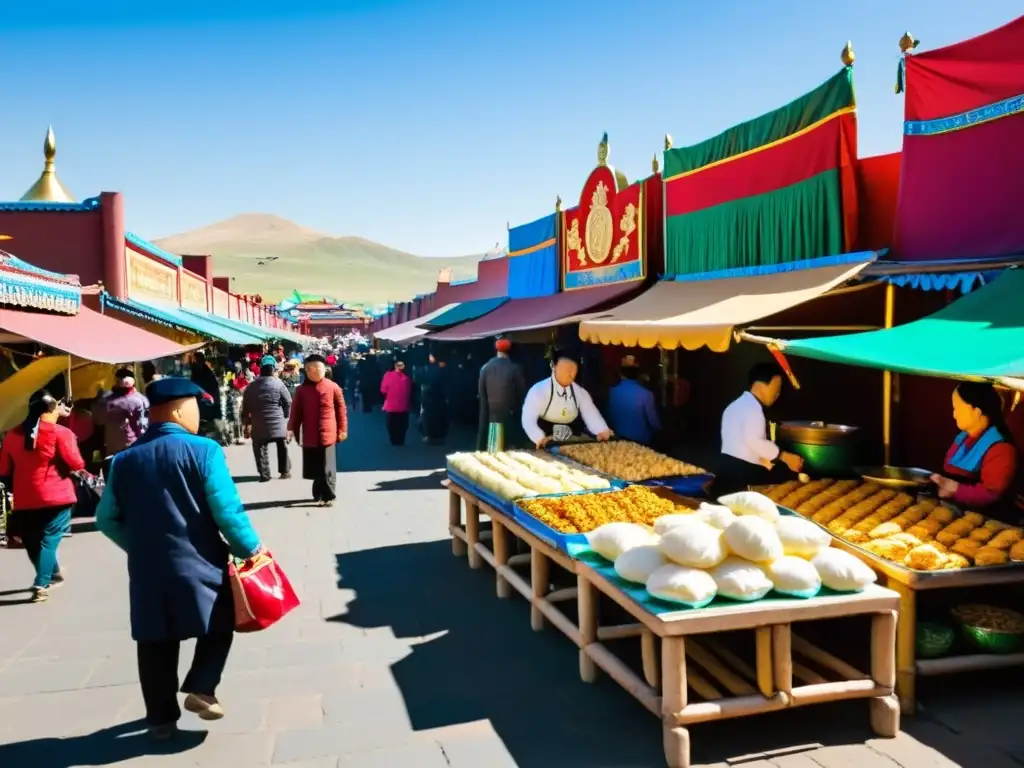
422,124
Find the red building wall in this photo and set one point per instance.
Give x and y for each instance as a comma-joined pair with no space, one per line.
69,242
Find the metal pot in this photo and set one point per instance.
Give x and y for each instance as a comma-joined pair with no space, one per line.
828,450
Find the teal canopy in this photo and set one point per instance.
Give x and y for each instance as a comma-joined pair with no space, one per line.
180,318
978,336
467,310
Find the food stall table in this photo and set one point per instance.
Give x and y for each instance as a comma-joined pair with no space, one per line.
728,685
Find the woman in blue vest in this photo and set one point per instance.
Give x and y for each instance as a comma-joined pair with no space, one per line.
980,469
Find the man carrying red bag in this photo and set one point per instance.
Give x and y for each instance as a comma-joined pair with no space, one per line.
171,505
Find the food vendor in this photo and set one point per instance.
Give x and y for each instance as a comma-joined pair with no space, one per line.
557,408
980,469
748,456
631,407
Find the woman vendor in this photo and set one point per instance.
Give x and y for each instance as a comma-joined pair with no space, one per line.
557,408
980,469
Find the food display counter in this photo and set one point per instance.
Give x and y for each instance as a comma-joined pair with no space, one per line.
919,544
725,659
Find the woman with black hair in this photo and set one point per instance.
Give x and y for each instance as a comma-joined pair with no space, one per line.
980,469
40,456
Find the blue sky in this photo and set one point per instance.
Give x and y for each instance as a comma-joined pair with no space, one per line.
422,124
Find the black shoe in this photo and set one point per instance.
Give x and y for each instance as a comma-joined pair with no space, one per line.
264,479
286,476
163,732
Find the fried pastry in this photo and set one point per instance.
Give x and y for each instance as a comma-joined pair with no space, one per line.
991,556
778,493
1006,538
955,561
967,548
1017,552
925,557
944,515
885,529
888,548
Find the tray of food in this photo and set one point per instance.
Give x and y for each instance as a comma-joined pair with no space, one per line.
498,479
564,520
636,463
915,533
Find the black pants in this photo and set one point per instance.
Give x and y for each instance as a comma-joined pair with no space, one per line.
158,674
367,398
261,450
321,466
398,425
732,475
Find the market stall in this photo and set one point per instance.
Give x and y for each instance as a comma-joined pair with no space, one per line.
754,663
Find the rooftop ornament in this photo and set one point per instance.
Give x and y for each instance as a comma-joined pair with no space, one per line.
48,188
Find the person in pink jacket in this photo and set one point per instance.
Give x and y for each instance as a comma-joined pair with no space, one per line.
396,386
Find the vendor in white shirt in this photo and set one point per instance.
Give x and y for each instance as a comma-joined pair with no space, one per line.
749,457
557,408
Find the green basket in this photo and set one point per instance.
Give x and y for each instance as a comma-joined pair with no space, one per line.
986,639
934,640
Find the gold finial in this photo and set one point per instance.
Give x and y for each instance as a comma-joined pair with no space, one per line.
908,43
848,56
602,150
654,164
48,188
558,203
668,141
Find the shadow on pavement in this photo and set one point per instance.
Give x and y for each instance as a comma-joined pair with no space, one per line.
109,746
253,506
489,665
429,482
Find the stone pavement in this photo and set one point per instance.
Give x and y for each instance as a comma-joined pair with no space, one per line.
400,656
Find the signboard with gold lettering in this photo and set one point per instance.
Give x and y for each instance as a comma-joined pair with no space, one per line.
193,292
602,240
150,279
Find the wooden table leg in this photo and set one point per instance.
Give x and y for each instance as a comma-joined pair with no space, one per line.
499,540
885,710
540,577
649,658
473,533
782,658
586,599
764,662
455,521
906,646
675,738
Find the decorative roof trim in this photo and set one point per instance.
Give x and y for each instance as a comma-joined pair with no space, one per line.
89,204
152,250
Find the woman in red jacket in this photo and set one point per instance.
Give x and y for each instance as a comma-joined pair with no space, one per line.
40,456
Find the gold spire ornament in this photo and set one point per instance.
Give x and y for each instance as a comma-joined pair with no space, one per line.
654,164
907,45
48,188
848,56
668,141
558,203
602,151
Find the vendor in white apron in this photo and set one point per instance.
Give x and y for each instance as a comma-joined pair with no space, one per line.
557,408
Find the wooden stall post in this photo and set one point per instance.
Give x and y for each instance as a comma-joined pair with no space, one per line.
499,540
455,522
675,738
782,658
890,307
764,662
885,710
906,650
473,532
540,577
649,658
586,599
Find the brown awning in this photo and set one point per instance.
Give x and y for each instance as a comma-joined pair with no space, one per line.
694,313
540,312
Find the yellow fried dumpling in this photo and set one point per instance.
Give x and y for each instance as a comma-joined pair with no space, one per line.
967,547
884,530
855,537
1017,551
991,556
1006,539
983,534
974,519
907,538
925,557
931,525
955,561
948,537
944,515
888,548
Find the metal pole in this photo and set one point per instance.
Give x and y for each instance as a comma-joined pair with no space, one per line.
890,305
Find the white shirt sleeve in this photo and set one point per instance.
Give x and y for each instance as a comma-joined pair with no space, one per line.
753,431
591,416
532,406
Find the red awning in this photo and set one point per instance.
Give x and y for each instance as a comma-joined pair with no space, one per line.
90,336
540,312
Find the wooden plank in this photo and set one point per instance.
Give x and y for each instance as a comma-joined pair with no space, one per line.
826,659
906,647
517,582
500,541
485,554
455,521
588,617
764,661
560,621
473,532
649,659
539,579
883,649
520,559
562,595
624,676
836,691
737,685
619,631
782,658
725,709
673,677
807,676
950,665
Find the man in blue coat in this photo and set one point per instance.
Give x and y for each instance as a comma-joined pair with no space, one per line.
171,505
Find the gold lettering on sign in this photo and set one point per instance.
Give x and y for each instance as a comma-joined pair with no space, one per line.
147,278
599,225
193,293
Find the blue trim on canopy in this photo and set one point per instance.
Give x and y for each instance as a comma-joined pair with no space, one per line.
774,269
262,333
965,282
89,204
153,250
177,318
1005,108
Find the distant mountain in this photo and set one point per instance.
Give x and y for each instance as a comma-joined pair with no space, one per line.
347,268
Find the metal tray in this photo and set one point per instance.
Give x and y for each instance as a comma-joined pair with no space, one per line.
896,477
684,485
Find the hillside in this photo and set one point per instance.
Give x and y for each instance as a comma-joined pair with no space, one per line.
348,268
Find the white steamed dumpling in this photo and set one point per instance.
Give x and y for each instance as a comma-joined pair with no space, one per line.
842,571
740,579
801,537
637,564
694,544
751,503
612,539
754,539
679,584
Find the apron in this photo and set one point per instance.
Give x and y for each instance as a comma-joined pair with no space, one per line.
565,421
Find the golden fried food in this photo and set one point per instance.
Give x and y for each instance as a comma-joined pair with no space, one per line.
629,461
990,617
856,537
944,515
1006,538
779,492
584,512
925,557
929,526
974,519
1017,552
797,498
885,529
967,548
907,538
982,534
888,548
991,556
955,561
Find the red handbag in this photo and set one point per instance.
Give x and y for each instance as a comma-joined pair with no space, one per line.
262,593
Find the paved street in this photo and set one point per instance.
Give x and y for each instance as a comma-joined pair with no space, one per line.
400,656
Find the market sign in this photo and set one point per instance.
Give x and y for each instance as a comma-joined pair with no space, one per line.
149,279
602,238
193,292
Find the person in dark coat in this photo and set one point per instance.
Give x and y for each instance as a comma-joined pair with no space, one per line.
203,375
501,391
171,505
265,407
434,400
121,413
369,381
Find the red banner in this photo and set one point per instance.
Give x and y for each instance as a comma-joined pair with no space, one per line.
602,238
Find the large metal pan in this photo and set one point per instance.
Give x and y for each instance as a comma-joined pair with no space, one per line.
897,477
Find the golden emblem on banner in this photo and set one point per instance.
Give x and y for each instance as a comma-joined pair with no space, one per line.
574,243
599,225
627,225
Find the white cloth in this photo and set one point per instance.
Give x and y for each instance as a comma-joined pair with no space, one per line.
744,431
563,409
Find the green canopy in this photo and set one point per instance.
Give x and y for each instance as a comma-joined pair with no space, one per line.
978,336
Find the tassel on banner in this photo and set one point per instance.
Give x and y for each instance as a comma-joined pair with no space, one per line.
784,364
